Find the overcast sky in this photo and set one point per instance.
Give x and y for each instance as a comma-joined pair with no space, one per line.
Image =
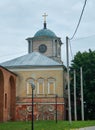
20,19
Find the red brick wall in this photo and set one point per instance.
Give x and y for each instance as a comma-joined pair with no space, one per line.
7,95
1,95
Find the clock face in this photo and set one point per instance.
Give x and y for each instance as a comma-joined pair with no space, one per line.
42,48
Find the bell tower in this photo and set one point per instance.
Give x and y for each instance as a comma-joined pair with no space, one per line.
46,42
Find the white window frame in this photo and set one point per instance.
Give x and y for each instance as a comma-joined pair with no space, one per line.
41,80
51,80
28,85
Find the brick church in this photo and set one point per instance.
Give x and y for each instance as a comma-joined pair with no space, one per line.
42,66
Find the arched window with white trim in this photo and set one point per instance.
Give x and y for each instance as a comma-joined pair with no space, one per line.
29,88
40,86
51,86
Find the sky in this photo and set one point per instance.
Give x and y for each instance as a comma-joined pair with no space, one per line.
21,19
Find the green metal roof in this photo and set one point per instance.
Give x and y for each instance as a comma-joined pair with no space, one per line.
45,32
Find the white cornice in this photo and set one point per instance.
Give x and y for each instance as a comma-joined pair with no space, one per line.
37,69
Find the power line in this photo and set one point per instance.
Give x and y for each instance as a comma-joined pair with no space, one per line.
85,37
76,29
79,20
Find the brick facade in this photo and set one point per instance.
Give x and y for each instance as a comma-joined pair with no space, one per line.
7,95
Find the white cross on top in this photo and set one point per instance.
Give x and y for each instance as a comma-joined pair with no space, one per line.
45,15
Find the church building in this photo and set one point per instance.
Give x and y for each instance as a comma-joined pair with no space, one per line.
43,68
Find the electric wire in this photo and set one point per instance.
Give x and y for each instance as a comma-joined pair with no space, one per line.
71,52
86,37
79,20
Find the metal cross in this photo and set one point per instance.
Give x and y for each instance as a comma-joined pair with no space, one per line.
45,15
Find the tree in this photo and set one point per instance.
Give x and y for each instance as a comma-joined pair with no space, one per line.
86,60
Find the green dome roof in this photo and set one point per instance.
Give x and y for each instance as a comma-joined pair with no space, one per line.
45,32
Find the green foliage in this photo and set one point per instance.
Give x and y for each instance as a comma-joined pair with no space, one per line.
45,125
86,60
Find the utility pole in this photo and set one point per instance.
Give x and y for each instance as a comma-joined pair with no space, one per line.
56,107
68,80
82,102
75,108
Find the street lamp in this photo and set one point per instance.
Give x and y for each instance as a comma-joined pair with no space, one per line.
32,125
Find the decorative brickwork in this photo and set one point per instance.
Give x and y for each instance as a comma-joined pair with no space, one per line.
44,108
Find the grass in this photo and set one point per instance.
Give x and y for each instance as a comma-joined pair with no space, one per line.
46,125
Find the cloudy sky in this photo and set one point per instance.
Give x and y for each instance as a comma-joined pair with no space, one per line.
20,19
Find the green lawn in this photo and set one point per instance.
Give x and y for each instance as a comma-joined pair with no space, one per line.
45,125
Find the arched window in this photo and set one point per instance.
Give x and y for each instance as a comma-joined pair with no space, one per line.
51,86
29,87
5,100
40,86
